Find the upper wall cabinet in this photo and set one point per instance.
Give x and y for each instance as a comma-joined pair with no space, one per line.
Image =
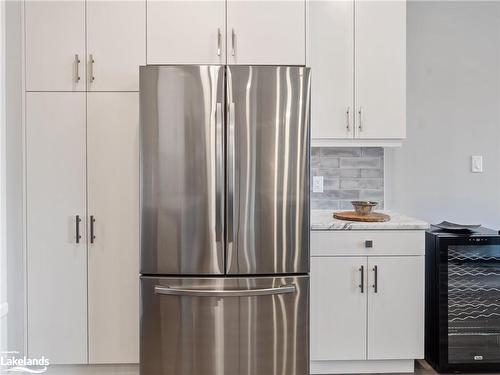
196,32
58,58
266,32
357,52
330,54
55,45
186,32
380,66
116,44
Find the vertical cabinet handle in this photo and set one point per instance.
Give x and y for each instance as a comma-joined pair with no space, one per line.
91,71
362,283
77,228
219,37
92,234
360,113
348,127
375,280
77,68
233,41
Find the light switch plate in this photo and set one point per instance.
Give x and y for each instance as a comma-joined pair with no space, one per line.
477,163
317,184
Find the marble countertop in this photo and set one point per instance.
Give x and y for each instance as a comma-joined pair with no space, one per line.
323,220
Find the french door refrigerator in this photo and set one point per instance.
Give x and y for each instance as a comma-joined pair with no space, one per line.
224,220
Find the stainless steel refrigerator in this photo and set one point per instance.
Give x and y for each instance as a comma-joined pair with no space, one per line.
224,220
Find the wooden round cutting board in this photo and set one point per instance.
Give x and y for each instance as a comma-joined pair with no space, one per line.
353,216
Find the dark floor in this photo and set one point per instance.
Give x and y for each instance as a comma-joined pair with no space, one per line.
423,368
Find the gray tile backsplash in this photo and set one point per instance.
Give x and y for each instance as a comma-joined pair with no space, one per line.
349,173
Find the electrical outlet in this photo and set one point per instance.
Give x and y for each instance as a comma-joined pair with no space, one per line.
477,163
317,184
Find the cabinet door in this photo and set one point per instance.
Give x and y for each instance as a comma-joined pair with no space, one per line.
186,32
113,193
266,32
338,308
330,54
55,194
380,68
55,42
116,42
396,308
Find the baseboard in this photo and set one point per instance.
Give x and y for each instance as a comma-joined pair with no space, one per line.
362,367
115,369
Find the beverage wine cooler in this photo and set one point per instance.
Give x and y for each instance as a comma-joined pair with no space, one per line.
462,320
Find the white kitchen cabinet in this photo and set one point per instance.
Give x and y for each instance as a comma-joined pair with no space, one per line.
379,328
396,307
55,45
84,45
82,159
330,54
380,66
116,44
266,32
357,52
338,308
203,32
186,32
113,201
56,194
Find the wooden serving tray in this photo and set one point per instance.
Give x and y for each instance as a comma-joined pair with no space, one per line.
353,216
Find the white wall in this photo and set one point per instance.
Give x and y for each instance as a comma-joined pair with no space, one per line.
453,112
3,248
14,175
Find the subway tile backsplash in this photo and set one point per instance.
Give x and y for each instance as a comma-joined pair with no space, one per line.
349,173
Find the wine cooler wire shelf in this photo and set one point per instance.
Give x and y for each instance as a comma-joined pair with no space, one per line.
470,270
473,291
468,254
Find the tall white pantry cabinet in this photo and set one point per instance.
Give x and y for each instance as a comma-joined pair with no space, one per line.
82,179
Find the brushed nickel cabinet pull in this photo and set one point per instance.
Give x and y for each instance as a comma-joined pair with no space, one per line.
233,40
77,228
77,68
91,73
348,127
360,113
219,37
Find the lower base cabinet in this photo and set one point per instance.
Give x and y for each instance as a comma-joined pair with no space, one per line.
367,312
338,308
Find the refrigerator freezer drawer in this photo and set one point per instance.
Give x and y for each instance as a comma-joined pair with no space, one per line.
225,326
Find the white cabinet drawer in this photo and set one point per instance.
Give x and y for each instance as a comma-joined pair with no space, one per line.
352,243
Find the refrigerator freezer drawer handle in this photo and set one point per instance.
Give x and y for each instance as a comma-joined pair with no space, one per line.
165,290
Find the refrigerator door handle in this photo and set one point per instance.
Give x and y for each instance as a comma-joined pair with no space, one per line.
230,176
219,168
166,290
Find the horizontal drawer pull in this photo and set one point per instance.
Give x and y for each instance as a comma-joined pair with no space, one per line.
169,291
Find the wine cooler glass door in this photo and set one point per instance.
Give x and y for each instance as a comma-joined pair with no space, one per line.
473,303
